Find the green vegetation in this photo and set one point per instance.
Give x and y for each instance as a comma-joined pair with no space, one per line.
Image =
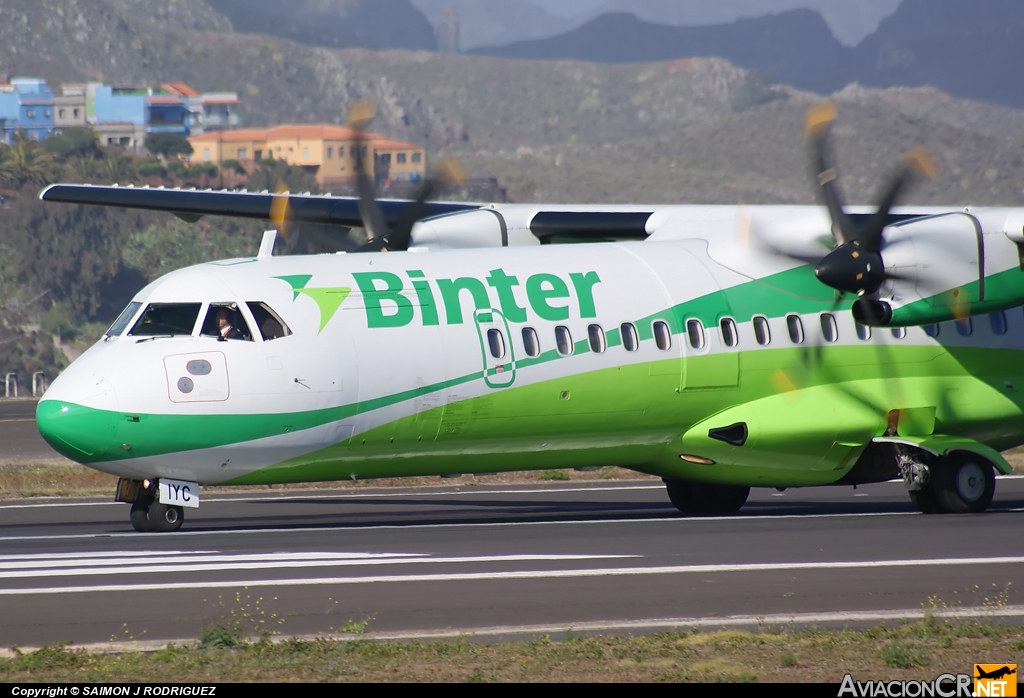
168,144
768,654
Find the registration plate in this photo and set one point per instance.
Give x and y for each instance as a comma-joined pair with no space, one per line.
179,493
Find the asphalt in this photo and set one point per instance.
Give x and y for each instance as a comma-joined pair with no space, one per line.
500,561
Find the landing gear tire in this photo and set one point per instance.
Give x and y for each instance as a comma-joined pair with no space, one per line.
140,513
165,518
925,501
149,516
702,498
964,483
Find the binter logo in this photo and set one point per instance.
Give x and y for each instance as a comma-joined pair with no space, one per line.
391,300
995,680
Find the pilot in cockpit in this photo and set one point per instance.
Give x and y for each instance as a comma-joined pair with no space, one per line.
224,327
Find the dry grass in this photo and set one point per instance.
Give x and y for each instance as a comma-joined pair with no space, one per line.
921,650
65,479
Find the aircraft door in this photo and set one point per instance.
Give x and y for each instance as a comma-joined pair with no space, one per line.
496,348
705,330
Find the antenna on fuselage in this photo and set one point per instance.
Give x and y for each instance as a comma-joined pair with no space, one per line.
267,244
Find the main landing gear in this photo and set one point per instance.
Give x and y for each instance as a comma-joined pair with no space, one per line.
148,515
701,498
960,483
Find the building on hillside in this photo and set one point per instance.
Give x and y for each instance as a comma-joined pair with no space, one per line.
120,115
214,111
26,106
69,107
327,152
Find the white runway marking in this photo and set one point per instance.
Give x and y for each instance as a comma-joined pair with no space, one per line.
524,574
73,567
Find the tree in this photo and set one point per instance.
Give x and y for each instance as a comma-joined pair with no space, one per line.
117,168
26,163
168,144
76,141
272,173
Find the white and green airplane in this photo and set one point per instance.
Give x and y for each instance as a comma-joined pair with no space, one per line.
713,346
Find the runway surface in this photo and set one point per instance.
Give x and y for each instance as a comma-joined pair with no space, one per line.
498,559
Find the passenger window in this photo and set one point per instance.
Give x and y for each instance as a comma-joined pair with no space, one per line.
563,340
166,319
496,343
729,334
899,332
762,333
998,320
796,329
695,333
630,339
224,321
597,339
123,319
270,324
829,329
931,330
531,342
662,336
863,332
964,327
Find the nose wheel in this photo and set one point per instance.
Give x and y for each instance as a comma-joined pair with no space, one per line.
150,516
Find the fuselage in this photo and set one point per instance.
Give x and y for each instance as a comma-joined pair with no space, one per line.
482,360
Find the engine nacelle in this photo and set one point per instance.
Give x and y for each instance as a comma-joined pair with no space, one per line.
949,267
482,227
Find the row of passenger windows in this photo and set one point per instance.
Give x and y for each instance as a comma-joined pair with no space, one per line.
595,338
695,334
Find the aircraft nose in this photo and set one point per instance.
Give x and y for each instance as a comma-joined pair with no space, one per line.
83,434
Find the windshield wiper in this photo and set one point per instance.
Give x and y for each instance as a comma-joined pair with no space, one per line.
152,337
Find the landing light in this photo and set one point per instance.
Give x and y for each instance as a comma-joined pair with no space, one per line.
700,460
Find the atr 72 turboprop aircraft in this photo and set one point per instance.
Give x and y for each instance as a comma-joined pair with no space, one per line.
713,346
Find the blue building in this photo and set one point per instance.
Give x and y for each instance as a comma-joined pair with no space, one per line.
26,105
156,110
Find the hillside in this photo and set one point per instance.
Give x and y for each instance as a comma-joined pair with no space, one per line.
687,131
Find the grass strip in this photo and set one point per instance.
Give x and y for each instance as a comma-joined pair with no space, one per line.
909,650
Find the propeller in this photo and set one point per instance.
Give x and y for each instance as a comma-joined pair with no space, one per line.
855,266
381,237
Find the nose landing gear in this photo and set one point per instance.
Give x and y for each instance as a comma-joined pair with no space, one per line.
148,515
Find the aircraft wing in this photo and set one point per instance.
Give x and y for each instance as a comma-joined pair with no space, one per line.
192,204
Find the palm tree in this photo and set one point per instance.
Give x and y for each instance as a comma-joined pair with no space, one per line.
83,169
117,168
26,163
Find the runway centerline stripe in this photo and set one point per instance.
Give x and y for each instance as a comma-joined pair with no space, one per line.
524,574
178,557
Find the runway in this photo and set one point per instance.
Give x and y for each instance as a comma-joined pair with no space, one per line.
500,560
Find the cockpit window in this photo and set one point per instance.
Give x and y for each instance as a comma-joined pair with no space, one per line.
270,324
224,321
123,319
166,319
